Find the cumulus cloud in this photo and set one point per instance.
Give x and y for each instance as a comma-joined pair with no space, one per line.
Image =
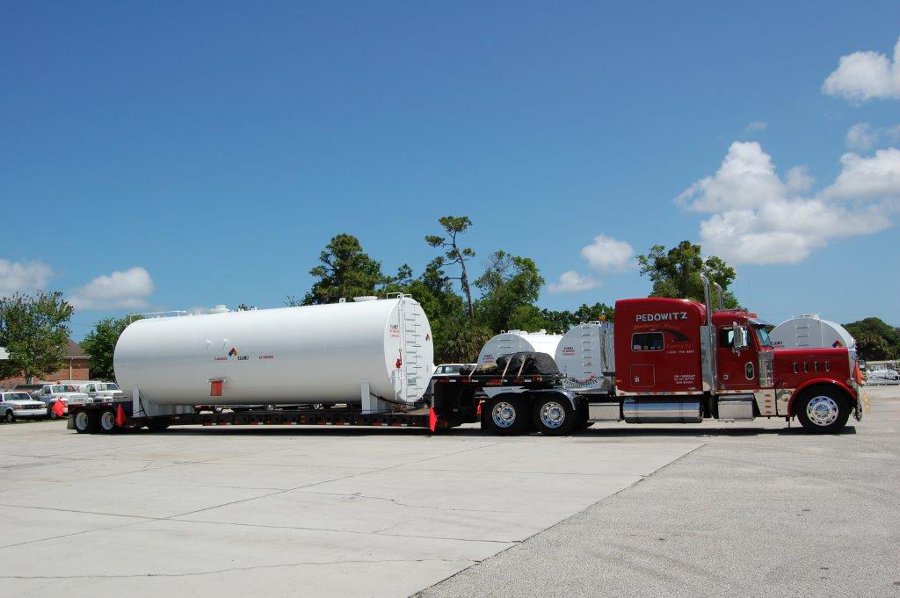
756,126
572,282
23,277
119,290
863,76
758,218
862,137
606,255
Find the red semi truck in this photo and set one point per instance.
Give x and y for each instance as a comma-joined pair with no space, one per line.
676,361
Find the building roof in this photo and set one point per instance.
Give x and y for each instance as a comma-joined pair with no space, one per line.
74,351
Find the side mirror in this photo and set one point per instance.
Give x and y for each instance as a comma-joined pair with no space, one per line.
739,341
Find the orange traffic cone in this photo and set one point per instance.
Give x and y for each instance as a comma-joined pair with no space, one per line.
58,408
432,420
120,417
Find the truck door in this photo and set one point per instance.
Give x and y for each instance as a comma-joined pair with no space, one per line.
736,357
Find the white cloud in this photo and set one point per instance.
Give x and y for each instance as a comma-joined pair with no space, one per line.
756,126
119,290
868,178
23,277
863,76
606,254
757,218
572,282
862,137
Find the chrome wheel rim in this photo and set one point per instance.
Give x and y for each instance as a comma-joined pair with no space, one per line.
503,414
822,411
552,415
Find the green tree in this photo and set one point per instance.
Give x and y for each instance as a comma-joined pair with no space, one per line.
100,344
461,339
875,339
34,329
346,271
559,322
510,286
872,347
676,273
454,254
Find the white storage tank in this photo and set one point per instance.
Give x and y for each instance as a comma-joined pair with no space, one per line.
515,341
810,330
310,354
586,356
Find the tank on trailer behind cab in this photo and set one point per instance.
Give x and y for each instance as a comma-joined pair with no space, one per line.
518,341
309,354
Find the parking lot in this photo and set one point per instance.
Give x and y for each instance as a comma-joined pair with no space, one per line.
620,509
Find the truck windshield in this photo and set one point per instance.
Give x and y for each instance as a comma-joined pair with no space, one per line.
763,335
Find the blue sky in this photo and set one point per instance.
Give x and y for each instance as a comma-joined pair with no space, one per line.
158,156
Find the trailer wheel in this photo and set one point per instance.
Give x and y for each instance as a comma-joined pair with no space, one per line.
822,410
158,424
10,417
84,422
554,416
107,421
506,415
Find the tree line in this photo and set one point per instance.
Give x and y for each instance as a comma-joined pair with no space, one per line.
464,310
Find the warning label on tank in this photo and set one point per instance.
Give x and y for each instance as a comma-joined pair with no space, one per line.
394,330
568,351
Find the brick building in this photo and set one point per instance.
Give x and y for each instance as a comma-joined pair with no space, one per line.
76,366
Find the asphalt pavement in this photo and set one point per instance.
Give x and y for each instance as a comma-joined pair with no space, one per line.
755,511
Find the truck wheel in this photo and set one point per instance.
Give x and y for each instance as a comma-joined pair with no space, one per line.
822,410
107,421
84,422
10,417
554,416
158,424
506,415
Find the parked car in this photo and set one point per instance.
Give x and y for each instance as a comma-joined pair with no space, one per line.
63,393
17,404
450,369
98,391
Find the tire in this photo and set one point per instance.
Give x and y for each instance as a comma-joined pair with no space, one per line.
158,424
9,417
553,415
506,415
83,422
822,410
107,421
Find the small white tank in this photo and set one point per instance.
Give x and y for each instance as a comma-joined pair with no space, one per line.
586,356
311,354
810,330
514,341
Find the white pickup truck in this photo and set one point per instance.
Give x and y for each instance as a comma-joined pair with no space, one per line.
49,394
15,404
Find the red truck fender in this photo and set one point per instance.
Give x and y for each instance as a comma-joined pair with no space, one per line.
845,388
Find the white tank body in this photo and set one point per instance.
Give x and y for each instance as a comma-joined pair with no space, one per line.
310,354
810,330
586,356
518,340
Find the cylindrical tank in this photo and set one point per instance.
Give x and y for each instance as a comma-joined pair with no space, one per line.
810,330
311,354
514,341
587,358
